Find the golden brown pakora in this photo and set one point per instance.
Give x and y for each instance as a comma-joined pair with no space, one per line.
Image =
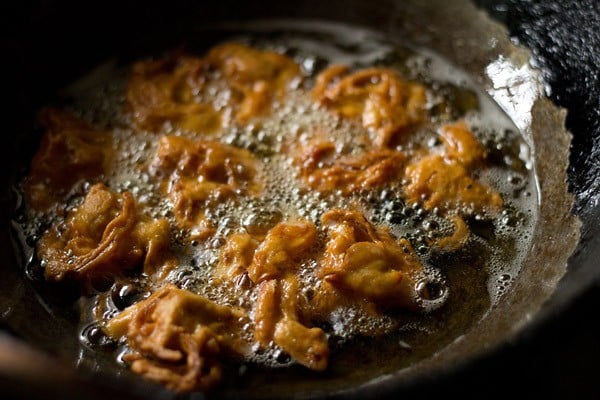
324,169
199,173
104,236
257,77
166,91
378,98
71,151
445,180
177,338
367,262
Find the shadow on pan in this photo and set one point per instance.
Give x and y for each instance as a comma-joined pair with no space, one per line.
47,43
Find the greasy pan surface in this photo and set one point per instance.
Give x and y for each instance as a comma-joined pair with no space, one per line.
49,43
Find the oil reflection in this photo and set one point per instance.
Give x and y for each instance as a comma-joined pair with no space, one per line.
515,88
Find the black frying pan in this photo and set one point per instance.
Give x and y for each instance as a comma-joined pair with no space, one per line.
47,44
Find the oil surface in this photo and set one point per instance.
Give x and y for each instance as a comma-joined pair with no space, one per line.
470,281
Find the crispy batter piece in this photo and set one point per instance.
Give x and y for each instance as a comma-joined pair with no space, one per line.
458,237
439,183
378,97
268,256
444,180
324,169
201,173
285,244
276,319
461,145
236,256
71,151
161,91
105,236
258,77
178,337
271,263
363,260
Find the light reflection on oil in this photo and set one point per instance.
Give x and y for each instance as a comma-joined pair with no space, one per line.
515,88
